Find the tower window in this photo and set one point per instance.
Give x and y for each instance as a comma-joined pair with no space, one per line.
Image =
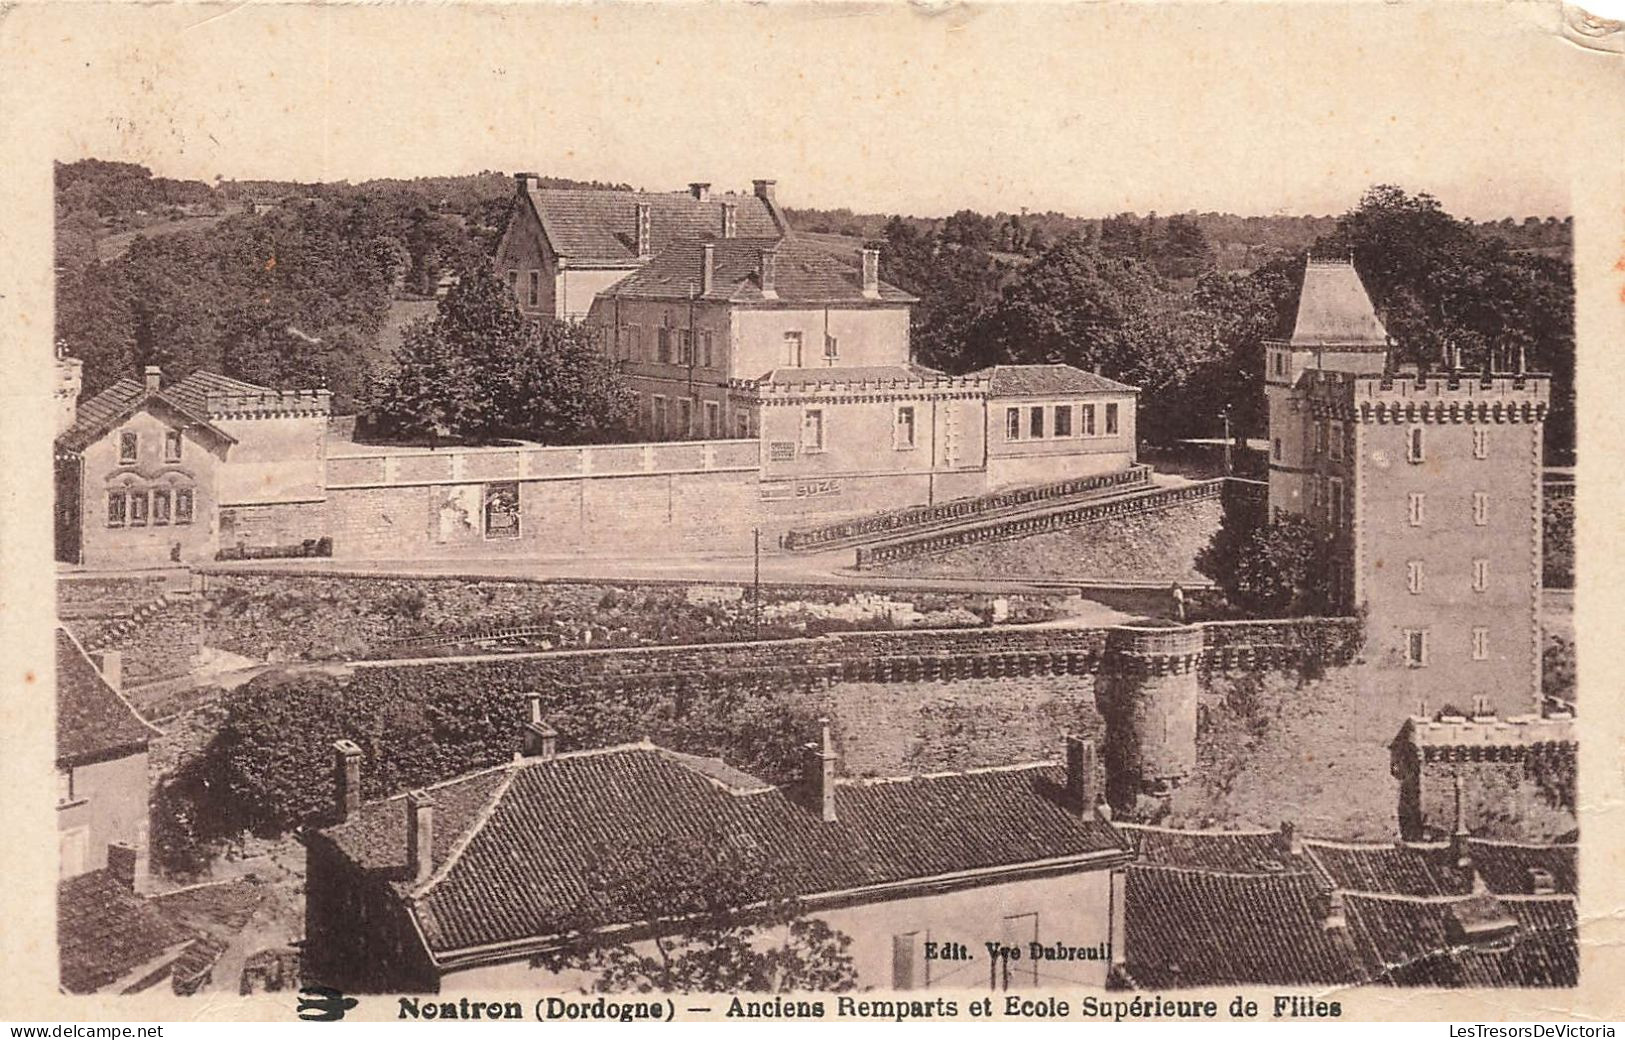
1481,442
1416,647
1418,504
1481,508
903,432
1413,577
1413,450
1481,644
1481,575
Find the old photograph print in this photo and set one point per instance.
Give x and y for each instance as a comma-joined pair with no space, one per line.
651,515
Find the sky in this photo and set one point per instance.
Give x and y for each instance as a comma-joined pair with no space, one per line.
1247,108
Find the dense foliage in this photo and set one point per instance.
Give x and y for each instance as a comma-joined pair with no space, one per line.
1278,568
719,919
1557,541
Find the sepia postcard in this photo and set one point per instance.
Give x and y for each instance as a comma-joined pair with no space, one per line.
885,512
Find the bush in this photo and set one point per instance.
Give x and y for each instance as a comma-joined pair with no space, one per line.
1276,569
1557,541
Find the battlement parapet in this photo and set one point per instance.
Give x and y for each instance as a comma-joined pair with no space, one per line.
858,387
1433,399
1460,738
272,404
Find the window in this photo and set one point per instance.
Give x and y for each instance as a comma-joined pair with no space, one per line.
660,415
685,418
1087,426
138,508
812,429
1277,363
713,419
636,347
1035,421
1337,440
183,505
1063,420
1334,504
832,348
663,351
1111,419
1275,450
903,431
129,446
1418,502
1416,647
1012,424
707,341
172,445
1320,438
1481,508
535,295
513,282
1413,446
1413,577
792,349
685,339
160,507
744,425
1481,644
1481,442
1481,575
117,509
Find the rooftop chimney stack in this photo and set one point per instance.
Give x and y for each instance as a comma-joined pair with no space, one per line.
700,190
155,378
346,778
871,273
1332,915
69,382
122,859
1080,773
644,249
538,739
763,189
526,182
708,263
1288,840
111,664
770,272
419,836
818,774
730,219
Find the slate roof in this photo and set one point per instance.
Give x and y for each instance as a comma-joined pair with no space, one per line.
105,931
1335,310
600,227
1045,380
188,398
1235,852
1409,942
803,274
514,846
93,721
1430,869
1208,928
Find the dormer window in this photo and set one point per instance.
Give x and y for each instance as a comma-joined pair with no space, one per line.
129,447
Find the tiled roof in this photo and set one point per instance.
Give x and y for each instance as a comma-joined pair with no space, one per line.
188,397
1410,941
217,913
803,274
513,847
851,374
1335,310
1505,866
92,720
601,226
1235,852
105,931
1043,380
1408,870
1206,928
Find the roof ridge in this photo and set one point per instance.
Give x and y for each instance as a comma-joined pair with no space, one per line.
1158,828
1498,843
1179,868
875,781
460,846
115,691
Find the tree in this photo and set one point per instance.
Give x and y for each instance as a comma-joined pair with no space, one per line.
1278,569
708,916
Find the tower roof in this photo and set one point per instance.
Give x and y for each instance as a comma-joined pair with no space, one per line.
1335,310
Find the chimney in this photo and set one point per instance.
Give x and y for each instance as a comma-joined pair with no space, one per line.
526,182
346,778
155,378
871,273
770,271
538,740
1332,916
1080,773
763,189
730,219
708,263
122,858
111,664
818,775
1460,850
69,382
643,229
419,836
699,189
1287,840
1541,882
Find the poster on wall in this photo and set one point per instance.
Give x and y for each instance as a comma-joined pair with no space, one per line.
502,510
